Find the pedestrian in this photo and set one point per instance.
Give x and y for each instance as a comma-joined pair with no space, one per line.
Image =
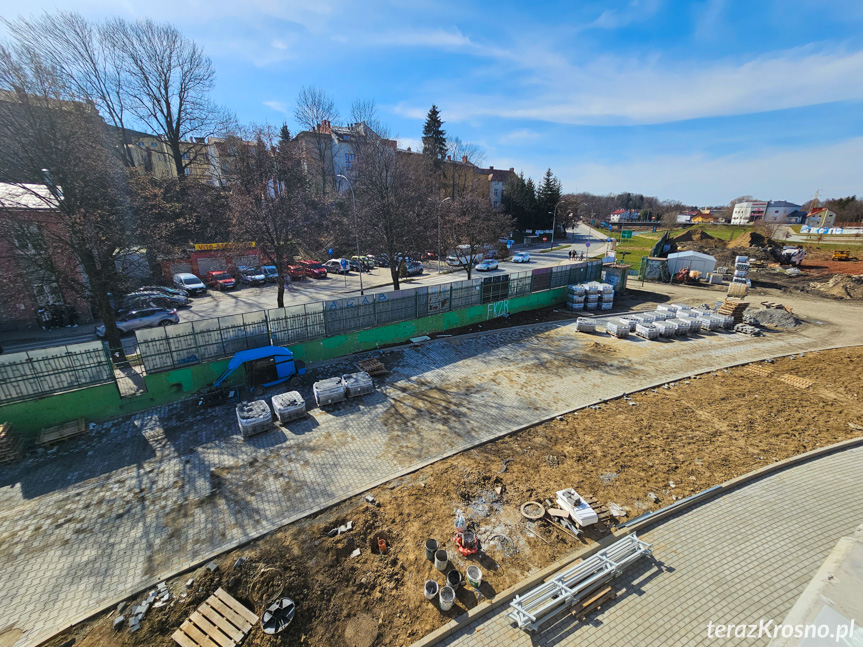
289,283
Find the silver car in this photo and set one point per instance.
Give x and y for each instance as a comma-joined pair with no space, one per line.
144,318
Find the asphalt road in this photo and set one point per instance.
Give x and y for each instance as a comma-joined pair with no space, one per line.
251,299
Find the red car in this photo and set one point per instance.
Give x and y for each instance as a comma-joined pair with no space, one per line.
314,269
297,272
220,280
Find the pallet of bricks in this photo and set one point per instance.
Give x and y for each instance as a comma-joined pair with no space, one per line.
10,450
733,309
590,296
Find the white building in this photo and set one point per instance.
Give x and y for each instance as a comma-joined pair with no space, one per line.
820,219
747,212
778,212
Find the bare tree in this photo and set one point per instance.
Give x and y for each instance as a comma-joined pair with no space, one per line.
83,55
459,173
316,111
396,198
58,157
270,200
469,223
167,81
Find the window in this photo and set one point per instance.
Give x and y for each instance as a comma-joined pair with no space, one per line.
497,193
185,156
350,158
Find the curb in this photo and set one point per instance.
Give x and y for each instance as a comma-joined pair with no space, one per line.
499,599
505,596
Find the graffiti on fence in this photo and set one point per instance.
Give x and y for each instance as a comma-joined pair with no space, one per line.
499,309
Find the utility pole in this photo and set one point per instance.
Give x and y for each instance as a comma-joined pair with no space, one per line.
438,232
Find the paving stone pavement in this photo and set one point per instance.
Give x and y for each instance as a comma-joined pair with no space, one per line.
737,559
147,495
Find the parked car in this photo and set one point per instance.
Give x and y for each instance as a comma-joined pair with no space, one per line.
250,275
143,318
297,272
486,265
271,273
354,266
366,262
335,265
382,260
314,269
189,282
138,300
428,256
220,280
175,292
414,268
521,257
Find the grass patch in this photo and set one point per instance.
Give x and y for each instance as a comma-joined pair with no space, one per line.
553,249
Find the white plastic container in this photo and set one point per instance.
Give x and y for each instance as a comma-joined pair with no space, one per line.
606,288
580,512
741,259
606,305
329,391
709,323
592,298
739,274
677,307
576,298
694,325
254,417
645,317
607,297
358,384
446,597
726,321
617,328
647,331
288,406
593,287
591,305
583,324
663,307
662,315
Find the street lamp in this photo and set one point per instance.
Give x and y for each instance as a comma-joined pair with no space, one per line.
438,232
554,222
356,230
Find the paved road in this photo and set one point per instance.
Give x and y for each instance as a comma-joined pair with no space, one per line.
251,299
144,496
738,559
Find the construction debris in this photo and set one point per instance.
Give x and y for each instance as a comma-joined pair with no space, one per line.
733,309
373,367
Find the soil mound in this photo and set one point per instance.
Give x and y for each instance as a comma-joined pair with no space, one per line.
841,286
699,236
750,239
778,317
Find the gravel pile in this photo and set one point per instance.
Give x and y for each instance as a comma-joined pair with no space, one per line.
775,317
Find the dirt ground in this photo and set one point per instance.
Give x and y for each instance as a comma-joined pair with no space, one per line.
668,442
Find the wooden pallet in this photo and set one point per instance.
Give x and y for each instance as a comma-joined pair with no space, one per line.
220,621
733,309
799,382
52,435
602,512
372,366
10,450
763,371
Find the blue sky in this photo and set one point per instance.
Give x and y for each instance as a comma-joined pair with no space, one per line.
700,100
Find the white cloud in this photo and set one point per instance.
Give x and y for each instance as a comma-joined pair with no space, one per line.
278,106
410,142
697,179
618,91
521,136
635,11
279,44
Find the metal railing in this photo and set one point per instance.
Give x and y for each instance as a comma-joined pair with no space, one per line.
53,370
164,349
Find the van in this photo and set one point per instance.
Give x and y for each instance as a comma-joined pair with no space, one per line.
190,283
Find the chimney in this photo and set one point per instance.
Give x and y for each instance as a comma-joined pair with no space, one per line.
512,170
490,168
409,149
449,158
464,159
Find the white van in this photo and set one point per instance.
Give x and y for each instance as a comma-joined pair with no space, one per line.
190,283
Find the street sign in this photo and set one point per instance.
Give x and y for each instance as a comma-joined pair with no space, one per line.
587,244
626,233
608,240
544,239
343,263
330,251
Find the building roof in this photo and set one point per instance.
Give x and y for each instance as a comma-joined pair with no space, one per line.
783,203
26,196
497,174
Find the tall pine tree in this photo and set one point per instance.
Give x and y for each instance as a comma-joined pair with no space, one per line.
547,196
284,134
434,137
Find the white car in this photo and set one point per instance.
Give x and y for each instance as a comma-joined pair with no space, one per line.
486,266
521,257
190,283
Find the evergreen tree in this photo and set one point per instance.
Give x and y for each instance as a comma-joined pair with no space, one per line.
547,196
434,137
284,134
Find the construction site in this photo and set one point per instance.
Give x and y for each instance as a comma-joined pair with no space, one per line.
517,477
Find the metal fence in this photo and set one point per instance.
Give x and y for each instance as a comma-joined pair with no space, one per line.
164,349
52,370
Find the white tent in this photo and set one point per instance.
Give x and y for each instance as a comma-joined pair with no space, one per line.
695,261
